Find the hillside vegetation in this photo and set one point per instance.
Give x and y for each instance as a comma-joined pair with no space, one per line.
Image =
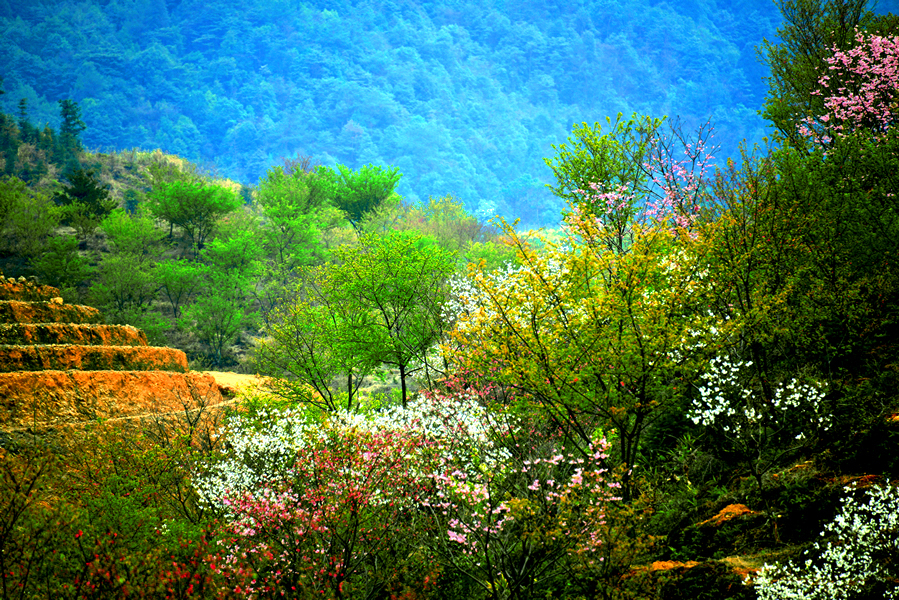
464,98
687,390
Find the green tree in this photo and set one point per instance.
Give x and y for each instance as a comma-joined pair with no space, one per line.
397,282
27,218
85,200
379,304
124,284
134,235
296,204
72,126
220,313
614,160
180,280
193,206
60,265
308,346
361,192
69,141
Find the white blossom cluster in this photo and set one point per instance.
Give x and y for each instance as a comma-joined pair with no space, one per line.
861,543
726,403
458,424
469,299
262,447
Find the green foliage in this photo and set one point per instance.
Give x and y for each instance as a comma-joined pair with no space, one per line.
133,234
193,206
361,192
811,29
296,202
308,346
180,280
124,283
85,201
60,265
28,218
380,304
612,162
220,313
238,247
397,283
72,126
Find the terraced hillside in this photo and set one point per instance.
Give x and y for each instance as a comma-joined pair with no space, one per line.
61,365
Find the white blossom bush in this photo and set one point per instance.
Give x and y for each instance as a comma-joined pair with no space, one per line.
263,445
762,428
860,547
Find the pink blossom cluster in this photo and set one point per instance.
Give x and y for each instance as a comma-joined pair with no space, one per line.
559,498
334,499
860,90
676,170
319,522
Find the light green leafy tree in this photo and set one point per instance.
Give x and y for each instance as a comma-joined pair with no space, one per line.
220,313
308,347
134,235
398,283
378,304
27,218
193,206
610,161
179,281
363,191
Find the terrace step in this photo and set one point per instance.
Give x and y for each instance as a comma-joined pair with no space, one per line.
83,334
16,311
64,357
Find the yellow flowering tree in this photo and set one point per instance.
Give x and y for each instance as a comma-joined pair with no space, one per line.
599,335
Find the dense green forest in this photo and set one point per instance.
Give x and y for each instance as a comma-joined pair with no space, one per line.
464,98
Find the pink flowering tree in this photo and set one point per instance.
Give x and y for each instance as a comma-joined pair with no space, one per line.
649,176
389,501
520,512
520,530
860,89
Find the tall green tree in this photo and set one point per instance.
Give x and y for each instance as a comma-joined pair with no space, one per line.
69,142
296,201
612,160
27,218
193,206
86,201
380,303
308,346
398,283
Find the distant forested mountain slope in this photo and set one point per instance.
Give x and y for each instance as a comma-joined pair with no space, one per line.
464,97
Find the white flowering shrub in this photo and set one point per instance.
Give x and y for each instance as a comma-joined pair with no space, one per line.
860,547
760,428
263,446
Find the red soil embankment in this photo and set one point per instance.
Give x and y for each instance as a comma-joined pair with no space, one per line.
13,311
80,334
64,357
42,398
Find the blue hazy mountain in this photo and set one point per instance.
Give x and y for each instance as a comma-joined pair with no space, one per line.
466,98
